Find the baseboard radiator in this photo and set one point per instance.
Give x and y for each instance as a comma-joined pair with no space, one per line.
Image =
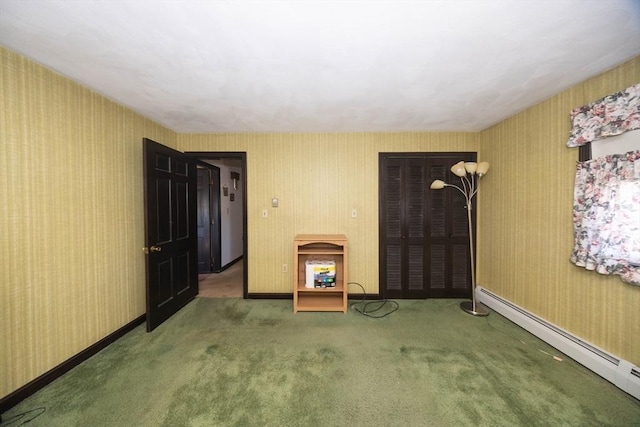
619,372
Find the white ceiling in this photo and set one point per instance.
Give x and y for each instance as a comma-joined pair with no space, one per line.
313,66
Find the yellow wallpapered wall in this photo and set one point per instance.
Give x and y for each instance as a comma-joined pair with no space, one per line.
525,223
319,179
71,212
71,203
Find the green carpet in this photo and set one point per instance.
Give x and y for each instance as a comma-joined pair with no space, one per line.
234,362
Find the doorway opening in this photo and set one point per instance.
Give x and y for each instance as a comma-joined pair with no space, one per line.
222,224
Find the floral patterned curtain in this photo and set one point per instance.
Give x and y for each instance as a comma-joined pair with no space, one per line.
609,116
606,216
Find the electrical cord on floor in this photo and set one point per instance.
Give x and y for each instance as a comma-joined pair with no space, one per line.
23,418
362,307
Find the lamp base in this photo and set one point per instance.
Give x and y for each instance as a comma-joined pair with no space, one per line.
479,311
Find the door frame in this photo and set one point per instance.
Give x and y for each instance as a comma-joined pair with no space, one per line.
242,155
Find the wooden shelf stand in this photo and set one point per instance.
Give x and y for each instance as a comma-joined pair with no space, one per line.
320,247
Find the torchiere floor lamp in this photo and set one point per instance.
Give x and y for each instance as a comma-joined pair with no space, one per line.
470,174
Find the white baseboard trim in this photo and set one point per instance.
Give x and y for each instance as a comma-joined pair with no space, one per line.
619,372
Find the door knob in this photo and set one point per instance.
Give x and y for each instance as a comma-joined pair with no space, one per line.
153,248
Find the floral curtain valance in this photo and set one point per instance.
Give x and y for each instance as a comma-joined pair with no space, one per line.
612,115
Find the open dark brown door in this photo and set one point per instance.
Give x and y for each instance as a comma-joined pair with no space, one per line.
171,245
205,260
208,218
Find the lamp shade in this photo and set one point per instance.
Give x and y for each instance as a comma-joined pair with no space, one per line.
459,169
437,185
482,169
471,167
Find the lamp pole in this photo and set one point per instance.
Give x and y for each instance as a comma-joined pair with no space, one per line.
469,189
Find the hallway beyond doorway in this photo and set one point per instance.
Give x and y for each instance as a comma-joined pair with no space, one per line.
226,284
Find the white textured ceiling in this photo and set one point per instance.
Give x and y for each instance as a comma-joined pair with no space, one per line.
313,66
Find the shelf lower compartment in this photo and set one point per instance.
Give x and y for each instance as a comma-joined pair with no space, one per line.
328,301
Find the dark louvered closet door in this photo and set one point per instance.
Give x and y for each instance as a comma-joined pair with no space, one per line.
449,269
403,213
423,233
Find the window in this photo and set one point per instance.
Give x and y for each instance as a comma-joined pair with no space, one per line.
606,204
606,215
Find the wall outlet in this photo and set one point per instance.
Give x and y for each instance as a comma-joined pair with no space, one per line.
354,213
285,268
